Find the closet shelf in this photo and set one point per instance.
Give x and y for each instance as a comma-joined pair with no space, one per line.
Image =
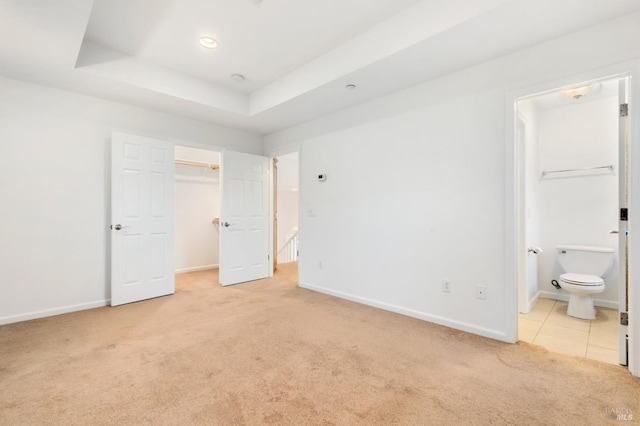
197,164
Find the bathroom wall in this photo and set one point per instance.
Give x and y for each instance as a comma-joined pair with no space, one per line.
579,207
197,193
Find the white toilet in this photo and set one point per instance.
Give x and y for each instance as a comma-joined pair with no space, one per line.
584,268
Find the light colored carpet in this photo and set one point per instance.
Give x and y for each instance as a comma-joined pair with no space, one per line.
268,352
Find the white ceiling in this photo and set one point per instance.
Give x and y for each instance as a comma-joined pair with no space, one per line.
297,55
263,42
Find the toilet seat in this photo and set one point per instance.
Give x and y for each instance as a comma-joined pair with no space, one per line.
581,279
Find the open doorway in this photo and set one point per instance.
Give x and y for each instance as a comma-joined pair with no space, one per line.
572,183
197,212
286,194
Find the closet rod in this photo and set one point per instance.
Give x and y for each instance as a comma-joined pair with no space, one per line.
196,164
610,167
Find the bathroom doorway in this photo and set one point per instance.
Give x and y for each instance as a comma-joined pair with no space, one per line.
571,185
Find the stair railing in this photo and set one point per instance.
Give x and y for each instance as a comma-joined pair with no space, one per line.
289,251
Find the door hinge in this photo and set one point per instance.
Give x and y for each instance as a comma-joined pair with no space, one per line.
624,110
268,257
624,318
624,214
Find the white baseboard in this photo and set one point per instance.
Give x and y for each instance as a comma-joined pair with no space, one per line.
564,297
531,303
52,312
195,269
470,328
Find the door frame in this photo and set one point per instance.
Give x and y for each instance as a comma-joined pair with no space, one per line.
520,141
513,214
273,213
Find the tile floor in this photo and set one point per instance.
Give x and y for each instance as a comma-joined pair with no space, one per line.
548,325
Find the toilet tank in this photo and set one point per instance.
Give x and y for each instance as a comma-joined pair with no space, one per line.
589,260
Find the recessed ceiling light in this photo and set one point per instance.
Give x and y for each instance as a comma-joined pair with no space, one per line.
208,42
237,77
350,86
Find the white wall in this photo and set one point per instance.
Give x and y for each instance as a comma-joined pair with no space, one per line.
410,201
416,186
578,208
55,206
197,194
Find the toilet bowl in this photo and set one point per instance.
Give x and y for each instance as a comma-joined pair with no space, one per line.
581,288
584,267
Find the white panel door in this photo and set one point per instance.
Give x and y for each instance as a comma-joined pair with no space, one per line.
142,218
244,221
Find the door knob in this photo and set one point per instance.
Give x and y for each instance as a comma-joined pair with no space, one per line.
226,224
614,232
118,227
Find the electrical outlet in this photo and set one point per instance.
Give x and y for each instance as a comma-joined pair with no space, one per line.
446,286
481,292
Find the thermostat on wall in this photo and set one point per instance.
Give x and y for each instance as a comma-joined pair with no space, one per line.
322,177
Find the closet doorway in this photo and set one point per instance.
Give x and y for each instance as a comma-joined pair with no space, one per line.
197,209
